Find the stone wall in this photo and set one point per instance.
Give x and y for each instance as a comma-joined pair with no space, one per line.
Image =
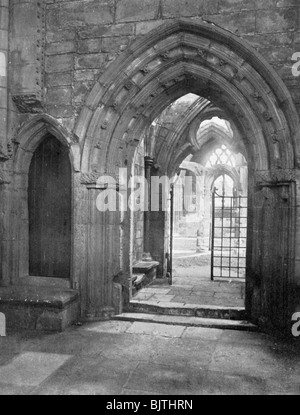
57,50
83,37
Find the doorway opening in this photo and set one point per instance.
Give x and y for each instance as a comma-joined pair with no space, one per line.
210,240
205,241
49,207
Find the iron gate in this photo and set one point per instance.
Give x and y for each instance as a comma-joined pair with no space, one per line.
229,236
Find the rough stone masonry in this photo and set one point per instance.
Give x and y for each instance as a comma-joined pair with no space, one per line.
57,60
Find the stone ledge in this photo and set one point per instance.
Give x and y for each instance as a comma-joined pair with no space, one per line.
38,296
144,266
39,308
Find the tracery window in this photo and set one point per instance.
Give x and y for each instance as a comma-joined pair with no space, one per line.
221,156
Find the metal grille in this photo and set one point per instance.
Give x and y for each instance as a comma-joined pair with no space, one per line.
229,236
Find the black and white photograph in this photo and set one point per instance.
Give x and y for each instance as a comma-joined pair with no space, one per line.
149,200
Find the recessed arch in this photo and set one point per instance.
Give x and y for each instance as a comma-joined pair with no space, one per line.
32,133
192,56
29,139
177,58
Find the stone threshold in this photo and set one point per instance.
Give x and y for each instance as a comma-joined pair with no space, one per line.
191,310
188,321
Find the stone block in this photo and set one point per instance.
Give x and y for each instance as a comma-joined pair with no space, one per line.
89,46
58,79
267,4
22,79
23,51
60,48
4,18
79,13
4,38
240,23
295,91
89,61
185,8
277,20
125,29
236,5
24,22
59,63
80,91
278,55
3,98
60,111
297,37
39,308
60,35
113,44
85,75
270,40
59,96
137,10
145,27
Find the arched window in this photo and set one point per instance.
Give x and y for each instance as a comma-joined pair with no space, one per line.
221,156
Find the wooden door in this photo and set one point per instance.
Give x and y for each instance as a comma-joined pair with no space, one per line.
49,197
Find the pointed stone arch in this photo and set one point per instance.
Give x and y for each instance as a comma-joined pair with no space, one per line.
193,56
27,140
180,57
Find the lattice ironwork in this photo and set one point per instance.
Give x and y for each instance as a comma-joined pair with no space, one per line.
229,236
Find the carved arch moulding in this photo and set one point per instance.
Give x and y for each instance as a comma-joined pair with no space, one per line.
166,64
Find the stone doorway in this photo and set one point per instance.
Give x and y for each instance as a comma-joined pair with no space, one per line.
216,161
176,59
49,210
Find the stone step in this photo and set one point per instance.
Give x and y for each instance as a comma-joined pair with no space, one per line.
190,310
187,321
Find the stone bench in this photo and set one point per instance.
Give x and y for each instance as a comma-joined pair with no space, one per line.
39,308
145,272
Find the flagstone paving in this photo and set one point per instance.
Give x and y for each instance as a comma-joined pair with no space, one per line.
192,285
124,358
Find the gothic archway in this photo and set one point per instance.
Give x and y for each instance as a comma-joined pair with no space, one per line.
29,141
194,56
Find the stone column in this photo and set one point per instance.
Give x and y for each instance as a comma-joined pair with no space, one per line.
149,162
4,148
270,254
102,254
4,23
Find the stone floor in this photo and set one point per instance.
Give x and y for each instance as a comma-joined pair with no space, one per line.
192,285
113,357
